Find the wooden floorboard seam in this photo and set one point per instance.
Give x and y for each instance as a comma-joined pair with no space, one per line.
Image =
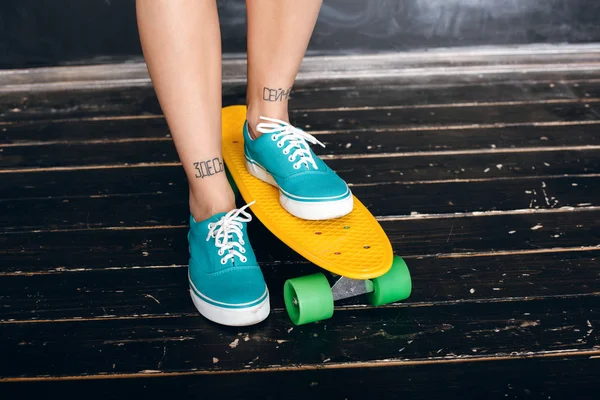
550,250
472,214
583,100
279,310
424,127
424,153
326,157
592,353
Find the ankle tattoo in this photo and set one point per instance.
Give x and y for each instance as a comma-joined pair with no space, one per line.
274,95
209,167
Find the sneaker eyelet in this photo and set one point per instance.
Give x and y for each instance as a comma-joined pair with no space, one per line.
223,262
244,259
296,167
242,242
273,137
220,252
243,251
280,145
290,158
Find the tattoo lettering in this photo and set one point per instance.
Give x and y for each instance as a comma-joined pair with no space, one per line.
276,94
208,167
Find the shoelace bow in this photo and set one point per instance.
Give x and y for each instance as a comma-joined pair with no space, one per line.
228,236
292,138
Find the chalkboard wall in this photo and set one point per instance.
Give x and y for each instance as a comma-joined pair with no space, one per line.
57,32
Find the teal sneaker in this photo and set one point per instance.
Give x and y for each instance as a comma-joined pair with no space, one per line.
308,188
226,283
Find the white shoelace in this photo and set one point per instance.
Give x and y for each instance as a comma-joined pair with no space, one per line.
227,233
292,138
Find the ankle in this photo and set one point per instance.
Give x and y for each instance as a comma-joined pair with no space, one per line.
204,206
254,113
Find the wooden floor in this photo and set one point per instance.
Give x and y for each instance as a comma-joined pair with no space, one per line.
484,183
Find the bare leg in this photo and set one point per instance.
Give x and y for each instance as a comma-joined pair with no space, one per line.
182,48
278,35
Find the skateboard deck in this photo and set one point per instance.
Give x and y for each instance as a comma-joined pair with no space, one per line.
354,246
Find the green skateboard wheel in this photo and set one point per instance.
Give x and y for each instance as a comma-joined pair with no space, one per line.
394,286
308,299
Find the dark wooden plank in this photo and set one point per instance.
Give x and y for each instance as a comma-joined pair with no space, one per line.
441,116
171,207
123,247
123,179
80,103
536,378
368,142
435,116
104,181
451,164
357,335
85,130
163,291
538,137
379,93
137,101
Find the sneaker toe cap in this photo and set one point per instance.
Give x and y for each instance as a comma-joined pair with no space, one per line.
316,187
234,287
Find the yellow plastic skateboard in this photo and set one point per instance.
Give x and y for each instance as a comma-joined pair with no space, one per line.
353,247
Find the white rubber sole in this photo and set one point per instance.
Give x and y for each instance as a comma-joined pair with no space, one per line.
233,316
315,211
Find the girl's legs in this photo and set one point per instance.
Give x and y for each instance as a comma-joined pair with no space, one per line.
278,36
181,42
182,47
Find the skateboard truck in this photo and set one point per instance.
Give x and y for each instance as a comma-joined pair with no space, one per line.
310,298
344,288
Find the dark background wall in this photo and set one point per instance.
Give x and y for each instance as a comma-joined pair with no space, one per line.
56,32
